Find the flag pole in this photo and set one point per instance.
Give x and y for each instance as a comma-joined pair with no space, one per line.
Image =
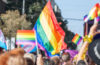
23,7
36,43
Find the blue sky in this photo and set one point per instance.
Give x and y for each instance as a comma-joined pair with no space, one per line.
75,9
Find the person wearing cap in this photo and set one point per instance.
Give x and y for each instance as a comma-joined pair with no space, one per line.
87,40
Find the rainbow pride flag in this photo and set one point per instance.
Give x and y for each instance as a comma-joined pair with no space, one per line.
98,19
94,12
48,32
25,37
77,39
99,11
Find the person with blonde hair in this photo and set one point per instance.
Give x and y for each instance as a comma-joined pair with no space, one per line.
16,60
13,57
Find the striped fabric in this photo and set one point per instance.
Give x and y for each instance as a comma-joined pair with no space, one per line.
77,39
49,34
26,39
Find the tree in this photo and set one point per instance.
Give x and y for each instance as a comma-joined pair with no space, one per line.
32,8
12,21
34,12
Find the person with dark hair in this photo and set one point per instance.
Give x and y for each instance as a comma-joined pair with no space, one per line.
66,59
91,62
52,62
48,62
1,50
29,61
81,62
56,60
31,58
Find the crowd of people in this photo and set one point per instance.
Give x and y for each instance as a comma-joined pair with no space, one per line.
19,57
89,54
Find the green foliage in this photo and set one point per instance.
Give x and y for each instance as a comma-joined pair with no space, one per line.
12,21
32,8
34,12
35,8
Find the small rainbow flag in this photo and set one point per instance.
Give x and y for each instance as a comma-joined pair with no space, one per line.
94,12
77,39
85,17
25,37
98,19
99,11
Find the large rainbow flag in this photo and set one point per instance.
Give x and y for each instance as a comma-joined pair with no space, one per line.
48,32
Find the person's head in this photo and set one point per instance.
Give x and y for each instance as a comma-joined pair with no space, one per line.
17,51
29,61
52,62
16,57
1,50
56,60
81,62
65,57
48,62
16,60
12,55
30,58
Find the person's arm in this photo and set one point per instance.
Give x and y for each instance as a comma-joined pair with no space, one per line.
39,60
82,51
84,48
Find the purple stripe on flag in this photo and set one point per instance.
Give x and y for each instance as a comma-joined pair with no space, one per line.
80,39
25,43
